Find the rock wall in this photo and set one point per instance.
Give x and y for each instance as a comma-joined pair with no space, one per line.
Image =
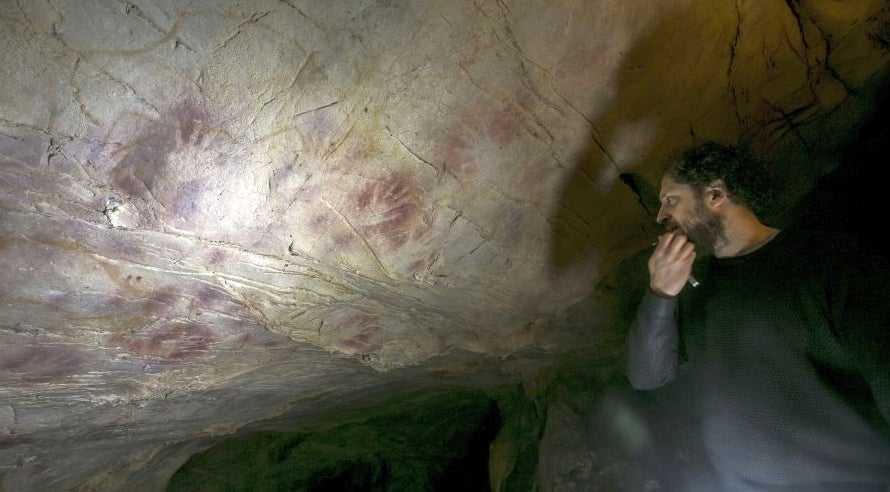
215,213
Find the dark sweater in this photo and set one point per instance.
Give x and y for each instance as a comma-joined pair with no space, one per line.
789,351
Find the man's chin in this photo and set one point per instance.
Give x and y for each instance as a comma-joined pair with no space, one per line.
703,248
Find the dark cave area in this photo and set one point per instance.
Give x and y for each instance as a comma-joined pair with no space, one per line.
422,442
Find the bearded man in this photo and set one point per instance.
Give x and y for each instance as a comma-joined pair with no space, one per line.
786,335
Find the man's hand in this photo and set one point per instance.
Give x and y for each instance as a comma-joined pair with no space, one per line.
670,264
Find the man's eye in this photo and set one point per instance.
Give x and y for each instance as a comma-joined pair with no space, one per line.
671,200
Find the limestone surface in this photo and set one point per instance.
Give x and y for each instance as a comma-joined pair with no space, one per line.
214,213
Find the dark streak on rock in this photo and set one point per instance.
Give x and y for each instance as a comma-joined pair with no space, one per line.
732,54
216,257
790,121
366,338
189,118
9,441
139,169
144,170
391,209
41,362
133,8
794,7
185,204
879,35
646,194
168,342
210,296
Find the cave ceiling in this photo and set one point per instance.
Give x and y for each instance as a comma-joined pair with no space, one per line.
218,212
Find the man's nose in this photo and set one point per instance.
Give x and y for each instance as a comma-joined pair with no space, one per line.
662,216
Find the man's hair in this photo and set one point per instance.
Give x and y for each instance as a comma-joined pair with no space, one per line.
743,175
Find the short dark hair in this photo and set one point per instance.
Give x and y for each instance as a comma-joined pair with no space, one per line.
744,176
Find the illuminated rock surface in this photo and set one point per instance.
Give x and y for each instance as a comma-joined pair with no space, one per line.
224,216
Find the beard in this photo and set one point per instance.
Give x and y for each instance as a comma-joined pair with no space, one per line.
704,229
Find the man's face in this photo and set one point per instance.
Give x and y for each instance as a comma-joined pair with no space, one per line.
685,210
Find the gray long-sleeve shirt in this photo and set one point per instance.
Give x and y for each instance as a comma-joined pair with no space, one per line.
789,351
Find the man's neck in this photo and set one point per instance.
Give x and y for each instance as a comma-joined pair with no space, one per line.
745,234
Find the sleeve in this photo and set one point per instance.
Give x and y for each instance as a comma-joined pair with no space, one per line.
653,343
864,314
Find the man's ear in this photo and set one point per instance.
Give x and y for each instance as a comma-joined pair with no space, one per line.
715,193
